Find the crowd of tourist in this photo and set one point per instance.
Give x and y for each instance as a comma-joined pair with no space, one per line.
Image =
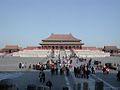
63,66
22,65
62,71
83,71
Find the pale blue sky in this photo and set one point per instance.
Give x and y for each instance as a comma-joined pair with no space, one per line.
26,22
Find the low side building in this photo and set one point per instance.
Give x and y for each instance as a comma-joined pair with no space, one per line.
1,51
11,48
90,48
110,49
31,48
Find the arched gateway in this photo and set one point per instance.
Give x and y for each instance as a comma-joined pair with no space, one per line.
61,41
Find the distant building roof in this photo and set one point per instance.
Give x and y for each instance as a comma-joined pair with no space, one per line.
1,50
31,48
100,49
62,37
11,47
90,48
109,48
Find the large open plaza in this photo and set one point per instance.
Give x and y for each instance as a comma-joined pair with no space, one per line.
22,77
59,44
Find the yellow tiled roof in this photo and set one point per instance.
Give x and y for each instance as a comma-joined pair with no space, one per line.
62,37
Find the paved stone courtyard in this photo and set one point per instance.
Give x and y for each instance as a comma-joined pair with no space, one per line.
23,77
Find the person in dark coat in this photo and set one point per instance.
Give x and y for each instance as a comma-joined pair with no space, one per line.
75,71
67,71
20,65
52,71
56,70
118,75
40,76
43,77
87,73
49,84
93,70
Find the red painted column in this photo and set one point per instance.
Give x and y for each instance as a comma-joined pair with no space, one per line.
65,47
80,47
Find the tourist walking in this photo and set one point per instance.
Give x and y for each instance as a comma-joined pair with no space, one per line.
43,77
75,71
93,70
52,71
118,76
30,66
49,84
87,73
67,71
56,71
20,65
40,76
